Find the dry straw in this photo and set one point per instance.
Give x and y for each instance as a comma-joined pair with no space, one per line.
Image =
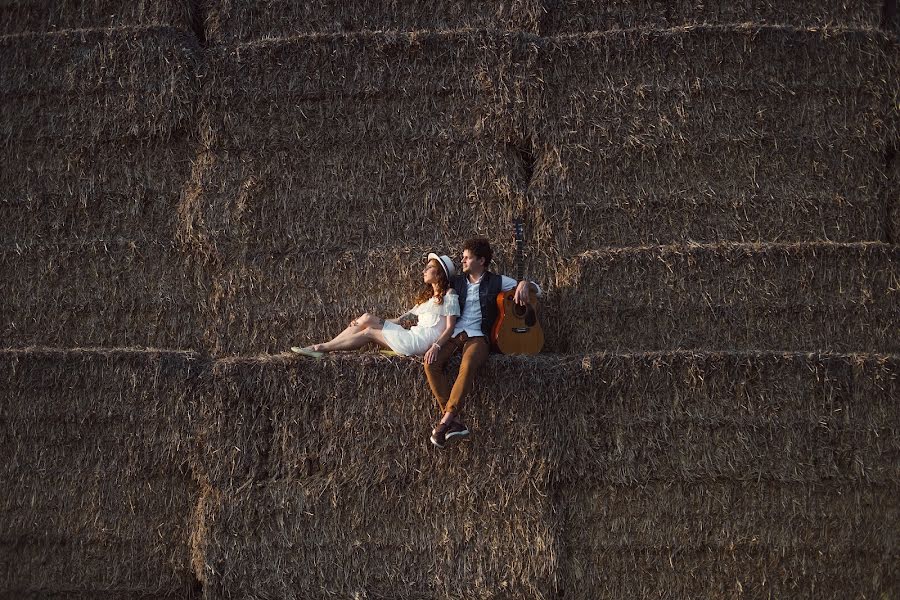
324,485
583,16
96,133
840,297
713,133
18,16
77,87
233,21
98,492
284,477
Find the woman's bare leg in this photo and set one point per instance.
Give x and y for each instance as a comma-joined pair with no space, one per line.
361,323
354,341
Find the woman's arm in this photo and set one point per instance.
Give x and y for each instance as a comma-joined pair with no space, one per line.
450,325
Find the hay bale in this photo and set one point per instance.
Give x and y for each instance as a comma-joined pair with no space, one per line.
104,191
309,506
719,296
791,500
574,16
93,85
351,199
98,485
97,129
766,469
320,90
101,292
712,133
274,298
891,195
233,21
312,144
19,16
817,296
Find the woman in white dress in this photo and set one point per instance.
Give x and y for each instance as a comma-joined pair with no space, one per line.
437,308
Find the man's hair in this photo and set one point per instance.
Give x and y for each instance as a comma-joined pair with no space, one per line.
481,248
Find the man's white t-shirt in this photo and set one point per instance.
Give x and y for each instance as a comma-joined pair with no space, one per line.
470,320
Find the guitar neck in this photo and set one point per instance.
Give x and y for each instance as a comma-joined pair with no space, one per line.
520,262
518,228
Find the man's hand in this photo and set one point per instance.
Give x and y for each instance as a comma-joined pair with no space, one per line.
523,293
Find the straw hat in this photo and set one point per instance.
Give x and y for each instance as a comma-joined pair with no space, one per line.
445,262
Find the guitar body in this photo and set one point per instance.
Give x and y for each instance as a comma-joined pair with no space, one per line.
517,330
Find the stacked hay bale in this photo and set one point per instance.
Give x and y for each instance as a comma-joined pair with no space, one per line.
687,182
333,163
730,474
682,473
715,133
24,16
96,139
585,16
98,103
322,483
236,21
803,295
97,488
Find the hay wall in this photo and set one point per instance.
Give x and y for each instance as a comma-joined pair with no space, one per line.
19,16
583,16
234,21
98,492
738,466
161,472
710,134
96,136
312,143
838,297
243,198
329,157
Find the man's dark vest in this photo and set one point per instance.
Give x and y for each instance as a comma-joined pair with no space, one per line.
491,285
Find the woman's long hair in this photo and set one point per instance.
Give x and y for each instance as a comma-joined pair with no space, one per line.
427,290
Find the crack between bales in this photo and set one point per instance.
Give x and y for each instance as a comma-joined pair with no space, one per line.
889,20
198,11
890,204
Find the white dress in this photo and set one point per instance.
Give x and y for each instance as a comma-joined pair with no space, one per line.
417,339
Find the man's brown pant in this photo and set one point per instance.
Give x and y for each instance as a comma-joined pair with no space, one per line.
475,351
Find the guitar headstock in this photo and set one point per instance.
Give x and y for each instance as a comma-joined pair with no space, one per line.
518,230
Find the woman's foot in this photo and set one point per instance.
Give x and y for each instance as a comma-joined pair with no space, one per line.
308,351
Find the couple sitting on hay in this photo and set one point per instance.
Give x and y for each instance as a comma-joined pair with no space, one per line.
455,312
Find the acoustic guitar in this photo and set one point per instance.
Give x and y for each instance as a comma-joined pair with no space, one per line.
517,330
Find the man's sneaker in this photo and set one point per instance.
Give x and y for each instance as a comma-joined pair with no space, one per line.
456,430
438,435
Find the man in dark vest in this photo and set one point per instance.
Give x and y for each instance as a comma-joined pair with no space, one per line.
477,288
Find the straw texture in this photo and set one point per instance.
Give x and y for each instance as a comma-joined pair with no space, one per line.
660,136
839,297
17,16
581,467
233,21
97,146
577,16
98,493
190,187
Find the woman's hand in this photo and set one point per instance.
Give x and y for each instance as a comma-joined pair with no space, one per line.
432,353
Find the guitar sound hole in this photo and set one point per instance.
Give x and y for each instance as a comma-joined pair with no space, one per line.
520,311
